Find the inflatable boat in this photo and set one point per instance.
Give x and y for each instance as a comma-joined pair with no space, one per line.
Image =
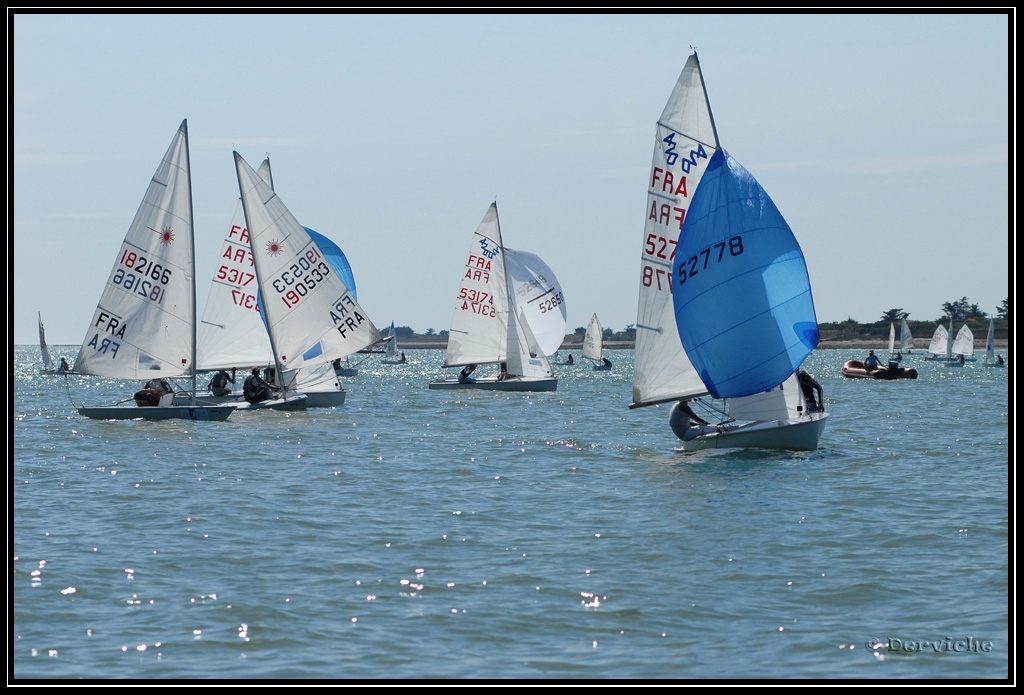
855,369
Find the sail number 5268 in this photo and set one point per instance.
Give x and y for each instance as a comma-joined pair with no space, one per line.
695,264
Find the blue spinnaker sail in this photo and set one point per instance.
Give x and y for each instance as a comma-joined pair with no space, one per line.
741,292
335,256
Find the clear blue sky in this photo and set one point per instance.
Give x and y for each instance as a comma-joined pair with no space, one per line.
883,139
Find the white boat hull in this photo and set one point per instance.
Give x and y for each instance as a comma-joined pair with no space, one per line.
295,401
792,435
292,402
213,413
513,384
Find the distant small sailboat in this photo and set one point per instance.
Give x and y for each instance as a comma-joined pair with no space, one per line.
940,348
48,367
47,360
593,344
991,359
963,344
391,353
906,338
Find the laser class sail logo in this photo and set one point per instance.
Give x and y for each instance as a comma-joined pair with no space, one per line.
948,644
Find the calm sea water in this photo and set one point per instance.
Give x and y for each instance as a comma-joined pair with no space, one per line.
417,534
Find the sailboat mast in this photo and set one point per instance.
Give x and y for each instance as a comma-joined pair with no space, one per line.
510,327
192,262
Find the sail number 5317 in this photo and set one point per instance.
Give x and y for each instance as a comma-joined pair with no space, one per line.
695,264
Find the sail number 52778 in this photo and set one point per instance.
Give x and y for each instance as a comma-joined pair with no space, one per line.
713,254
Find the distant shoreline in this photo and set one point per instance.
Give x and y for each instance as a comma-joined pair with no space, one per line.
1000,344
574,346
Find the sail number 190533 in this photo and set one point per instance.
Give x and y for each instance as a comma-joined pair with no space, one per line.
301,277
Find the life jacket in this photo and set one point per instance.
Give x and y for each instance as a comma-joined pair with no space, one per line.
249,388
220,380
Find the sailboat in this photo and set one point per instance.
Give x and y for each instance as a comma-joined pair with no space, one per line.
48,367
706,320
391,354
232,331
592,344
312,318
940,348
963,343
145,324
990,353
906,338
489,325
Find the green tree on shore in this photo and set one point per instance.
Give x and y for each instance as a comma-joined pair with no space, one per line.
894,315
962,310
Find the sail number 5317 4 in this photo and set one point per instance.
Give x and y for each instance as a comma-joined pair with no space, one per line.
716,254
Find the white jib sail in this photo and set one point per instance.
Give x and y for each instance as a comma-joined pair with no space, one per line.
535,291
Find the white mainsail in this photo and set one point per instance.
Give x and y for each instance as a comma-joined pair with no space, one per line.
47,360
990,351
391,349
963,344
906,339
480,323
684,141
892,338
312,316
940,341
144,325
593,339
232,332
